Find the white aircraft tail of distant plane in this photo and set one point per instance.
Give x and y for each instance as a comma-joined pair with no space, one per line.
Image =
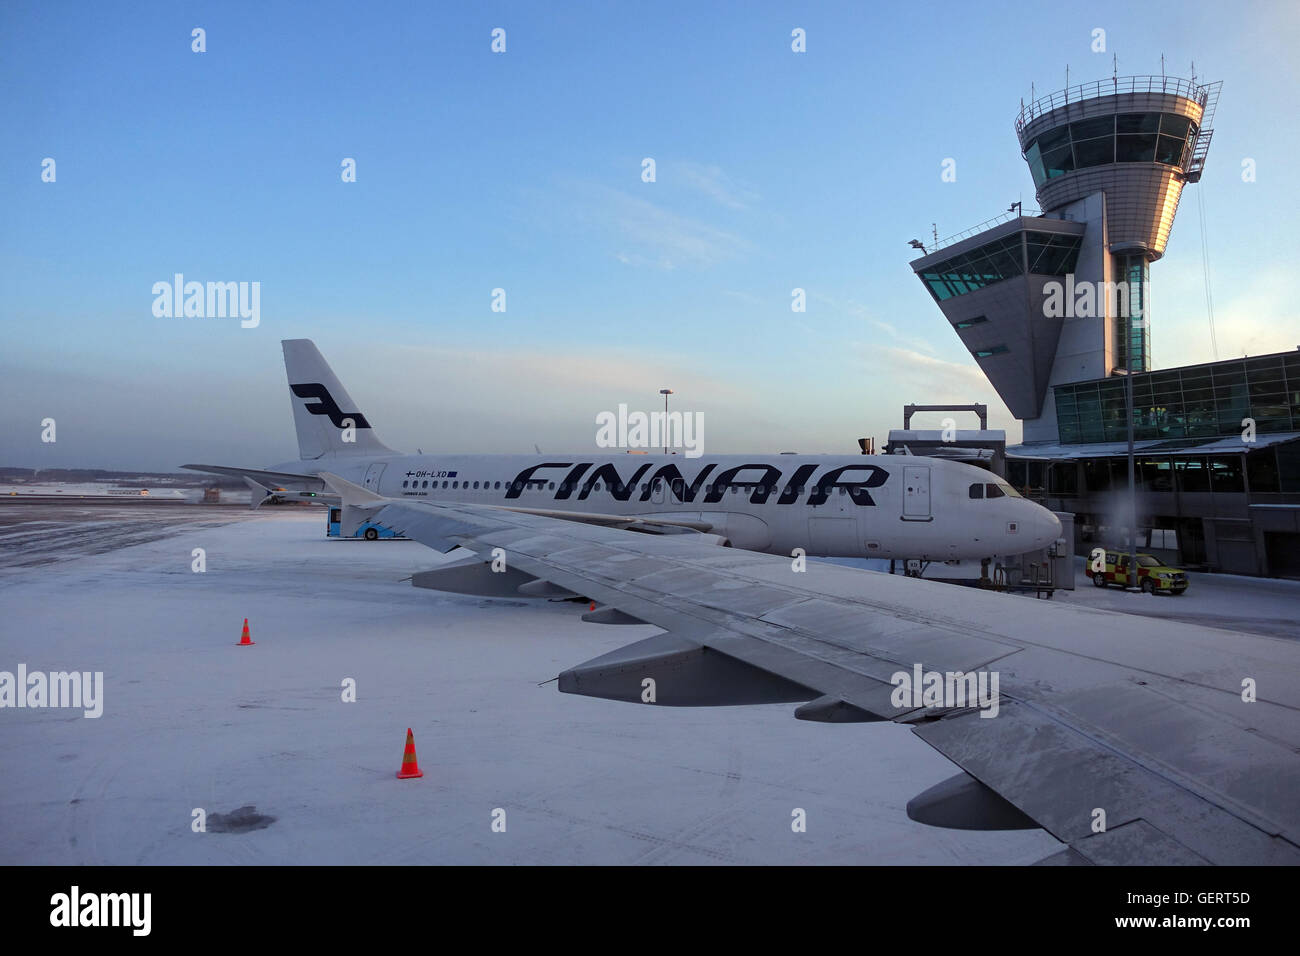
862,506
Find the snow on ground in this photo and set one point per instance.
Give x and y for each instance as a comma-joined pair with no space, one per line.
193,721
33,534
1268,606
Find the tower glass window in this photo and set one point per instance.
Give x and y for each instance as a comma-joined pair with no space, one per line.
1048,254
1117,138
1133,271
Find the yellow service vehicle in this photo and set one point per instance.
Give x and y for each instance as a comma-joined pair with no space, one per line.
1152,576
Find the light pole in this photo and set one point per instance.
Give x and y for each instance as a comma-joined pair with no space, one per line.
1131,579
665,392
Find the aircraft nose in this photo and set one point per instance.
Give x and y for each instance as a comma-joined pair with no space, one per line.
1046,526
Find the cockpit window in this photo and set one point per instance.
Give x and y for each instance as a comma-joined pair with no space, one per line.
999,490
977,490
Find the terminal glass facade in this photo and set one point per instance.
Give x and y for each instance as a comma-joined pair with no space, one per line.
1132,305
1047,253
1118,138
1200,401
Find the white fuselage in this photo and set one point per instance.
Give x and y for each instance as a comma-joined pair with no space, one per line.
882,506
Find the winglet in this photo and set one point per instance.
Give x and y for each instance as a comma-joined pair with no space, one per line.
357,502
352,494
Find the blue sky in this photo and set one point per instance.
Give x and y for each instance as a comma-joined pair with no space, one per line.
522,171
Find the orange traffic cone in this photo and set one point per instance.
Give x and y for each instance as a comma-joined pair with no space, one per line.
409,767
246,640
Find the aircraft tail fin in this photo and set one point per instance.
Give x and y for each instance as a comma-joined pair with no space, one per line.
327,420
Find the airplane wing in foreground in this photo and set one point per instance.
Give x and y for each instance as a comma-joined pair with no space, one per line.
1141,726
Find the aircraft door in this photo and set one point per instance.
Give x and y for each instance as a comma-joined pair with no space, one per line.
373,473
916,493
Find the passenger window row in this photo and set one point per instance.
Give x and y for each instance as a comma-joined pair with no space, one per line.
619,488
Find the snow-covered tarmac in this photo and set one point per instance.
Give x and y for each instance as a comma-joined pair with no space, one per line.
192,721
1269,606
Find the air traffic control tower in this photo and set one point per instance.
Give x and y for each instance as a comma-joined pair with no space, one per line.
1065,295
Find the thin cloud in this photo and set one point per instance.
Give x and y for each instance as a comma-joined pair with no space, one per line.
715,184
860,311
936,381
643,233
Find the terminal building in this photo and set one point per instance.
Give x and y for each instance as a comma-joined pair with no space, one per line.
1054,309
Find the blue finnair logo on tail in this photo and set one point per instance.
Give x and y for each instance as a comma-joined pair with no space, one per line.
325,405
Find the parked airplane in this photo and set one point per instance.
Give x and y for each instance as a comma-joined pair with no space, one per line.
840,506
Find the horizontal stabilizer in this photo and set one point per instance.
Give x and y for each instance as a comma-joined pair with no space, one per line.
258,493
272,479
669,670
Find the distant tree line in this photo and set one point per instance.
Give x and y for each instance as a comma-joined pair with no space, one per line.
183,478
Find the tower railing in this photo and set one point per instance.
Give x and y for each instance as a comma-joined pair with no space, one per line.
1196,162
1172,85
957,237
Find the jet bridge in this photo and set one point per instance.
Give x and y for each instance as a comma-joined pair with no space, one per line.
1040,571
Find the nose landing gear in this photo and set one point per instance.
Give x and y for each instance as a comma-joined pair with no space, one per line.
912,567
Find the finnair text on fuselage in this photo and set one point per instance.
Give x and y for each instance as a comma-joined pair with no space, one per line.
760,480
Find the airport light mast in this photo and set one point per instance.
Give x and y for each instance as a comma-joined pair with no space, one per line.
1131,582
665,392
